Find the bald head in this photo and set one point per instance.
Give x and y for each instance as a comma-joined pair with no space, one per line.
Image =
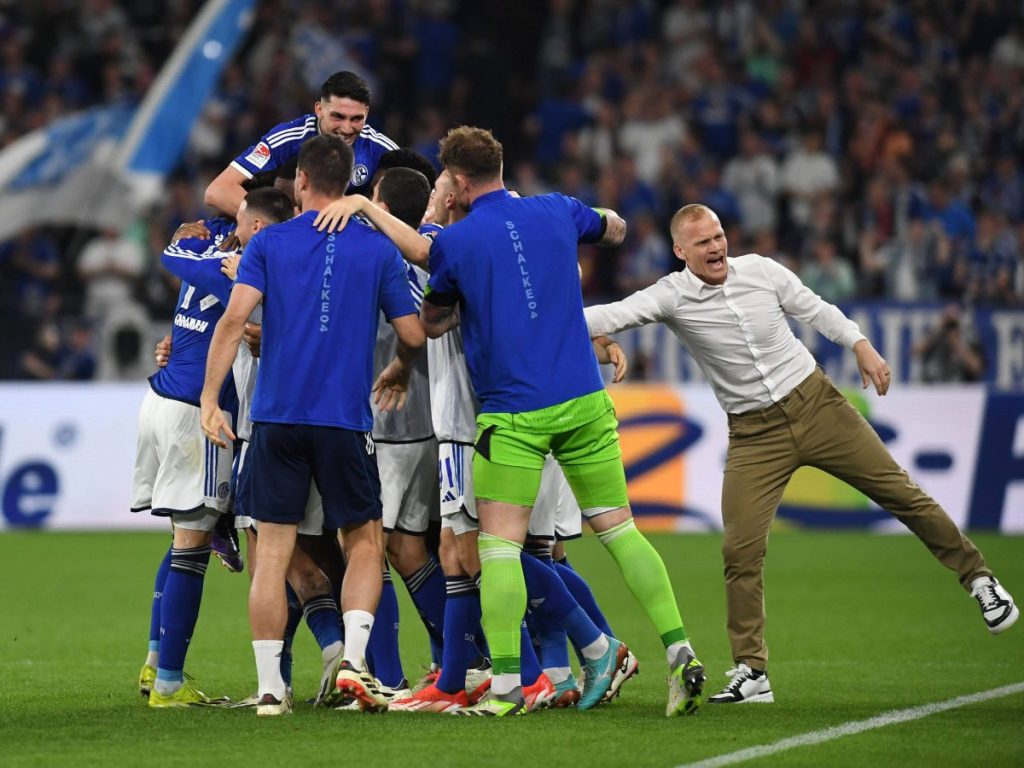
686,214
699,240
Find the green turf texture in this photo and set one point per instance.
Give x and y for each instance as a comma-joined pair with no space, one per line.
858,625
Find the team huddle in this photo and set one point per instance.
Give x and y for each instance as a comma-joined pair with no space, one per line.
338,379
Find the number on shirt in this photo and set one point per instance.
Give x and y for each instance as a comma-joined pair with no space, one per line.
188,297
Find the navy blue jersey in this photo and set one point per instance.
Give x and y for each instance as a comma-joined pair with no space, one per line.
322,293
201,302
512,266
282,143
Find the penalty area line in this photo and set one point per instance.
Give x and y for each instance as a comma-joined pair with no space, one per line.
854,727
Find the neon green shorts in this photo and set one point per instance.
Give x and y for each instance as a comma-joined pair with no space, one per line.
580,433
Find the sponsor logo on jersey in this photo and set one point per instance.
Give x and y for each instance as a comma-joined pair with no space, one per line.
191,323
360,175
260,155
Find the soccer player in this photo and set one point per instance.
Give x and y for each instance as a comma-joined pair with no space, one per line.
784,413
311,416
342,110
511,267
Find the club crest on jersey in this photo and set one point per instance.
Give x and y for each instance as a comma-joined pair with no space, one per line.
260,155
360,175
222,490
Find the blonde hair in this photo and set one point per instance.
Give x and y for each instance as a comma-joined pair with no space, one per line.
687,213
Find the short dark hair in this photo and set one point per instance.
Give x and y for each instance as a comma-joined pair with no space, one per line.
407,158
406,192
271,203
346,85
472,152
327,161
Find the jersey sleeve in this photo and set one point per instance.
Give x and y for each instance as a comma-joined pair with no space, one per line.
396,297
275,148
441,290
252,269
197,262
589,223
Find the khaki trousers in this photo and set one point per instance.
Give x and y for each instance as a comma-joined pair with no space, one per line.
814,425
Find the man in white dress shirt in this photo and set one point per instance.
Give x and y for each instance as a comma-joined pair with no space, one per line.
783,413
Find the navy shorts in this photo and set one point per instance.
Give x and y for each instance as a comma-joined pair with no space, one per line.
342,463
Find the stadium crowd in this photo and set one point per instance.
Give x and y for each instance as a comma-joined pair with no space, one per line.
873,147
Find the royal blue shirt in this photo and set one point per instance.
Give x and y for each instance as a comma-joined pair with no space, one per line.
321,297
512,266
201,302
282,144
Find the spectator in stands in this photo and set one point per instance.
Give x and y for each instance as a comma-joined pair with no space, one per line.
646,254
951,353
753,178
109,265
828,274
806,173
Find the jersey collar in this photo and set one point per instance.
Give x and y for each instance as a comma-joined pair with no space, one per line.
491,197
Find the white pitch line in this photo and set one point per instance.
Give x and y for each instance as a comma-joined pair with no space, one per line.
855,726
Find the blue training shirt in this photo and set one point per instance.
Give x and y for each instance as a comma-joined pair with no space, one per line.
321,297
512,266
201,302
283,142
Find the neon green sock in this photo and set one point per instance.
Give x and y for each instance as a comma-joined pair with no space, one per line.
646,577
502,600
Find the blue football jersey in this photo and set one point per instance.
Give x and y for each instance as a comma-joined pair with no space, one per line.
201,301
282,143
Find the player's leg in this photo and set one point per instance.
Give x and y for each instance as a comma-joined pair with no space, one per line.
840,441
148,674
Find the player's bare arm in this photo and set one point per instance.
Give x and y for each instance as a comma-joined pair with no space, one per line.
391,387
609,352
414,247
438,320
614,227
223,348
226,193
872,366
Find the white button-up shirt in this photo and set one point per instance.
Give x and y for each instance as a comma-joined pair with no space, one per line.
737,331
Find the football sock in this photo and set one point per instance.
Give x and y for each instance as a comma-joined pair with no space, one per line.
581,591
321,614
502,606
427,589
554,607
672,651
529,663
461,619
294,619
179,607
383,655
153,656
358,626
646,577
268,668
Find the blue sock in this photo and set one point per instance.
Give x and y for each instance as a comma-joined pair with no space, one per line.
461,622
427,589
158,592
551,602
294,619
529,664
581,591
321,614
382,652
179,609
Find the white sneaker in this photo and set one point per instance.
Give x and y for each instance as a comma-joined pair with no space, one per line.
400,691
745,686
270,706
997,607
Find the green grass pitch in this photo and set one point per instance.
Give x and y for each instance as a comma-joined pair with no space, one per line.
858,625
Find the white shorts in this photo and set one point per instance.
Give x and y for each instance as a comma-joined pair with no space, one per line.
459,523
178,472
312,523
556,515
408,485
455,479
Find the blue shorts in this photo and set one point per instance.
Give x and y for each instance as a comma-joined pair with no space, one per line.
342,463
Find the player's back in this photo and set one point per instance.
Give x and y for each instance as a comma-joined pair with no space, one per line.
514,262
322,294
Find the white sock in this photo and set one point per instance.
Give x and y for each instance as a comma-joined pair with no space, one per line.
557,674
153,659
358,625
268,668
167,687
596,649
333,650
673,651
505,683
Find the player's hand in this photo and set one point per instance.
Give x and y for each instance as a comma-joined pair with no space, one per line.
229,265
253,336
391,387
335,216
230,243
617,357
214,425
197,229
872,366
162,353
